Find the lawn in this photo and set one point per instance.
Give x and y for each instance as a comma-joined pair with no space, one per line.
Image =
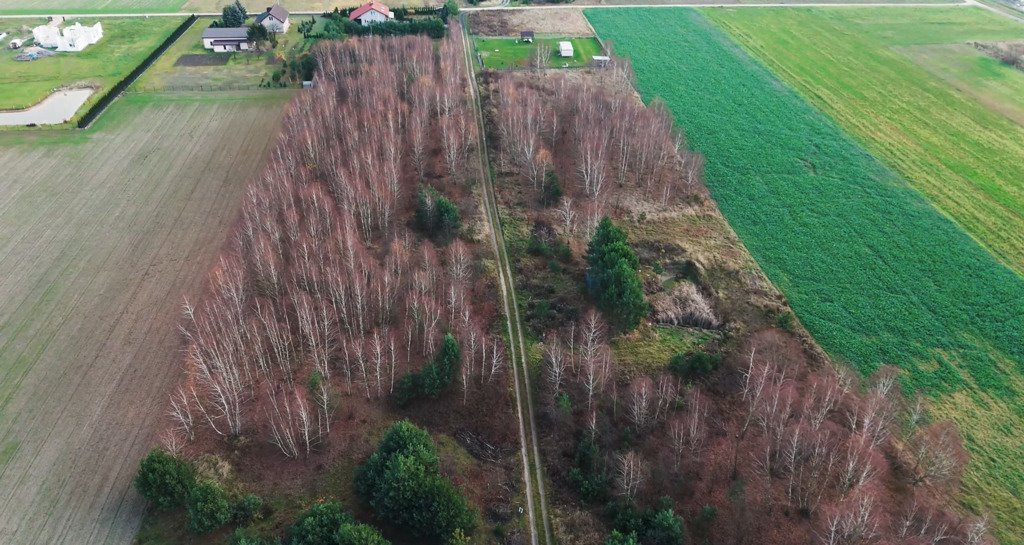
105,232
963,154
125,44
876,273
239,70
505,53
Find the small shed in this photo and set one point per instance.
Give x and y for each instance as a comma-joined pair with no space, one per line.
601,60
565,49
526,36
16,43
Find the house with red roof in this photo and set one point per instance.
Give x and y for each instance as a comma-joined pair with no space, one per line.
370,13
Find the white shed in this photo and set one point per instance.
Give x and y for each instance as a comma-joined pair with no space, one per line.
565,49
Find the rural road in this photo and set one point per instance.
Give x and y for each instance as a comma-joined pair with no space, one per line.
598,6
533,468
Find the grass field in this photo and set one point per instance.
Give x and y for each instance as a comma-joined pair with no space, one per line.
965,156
871,268
504,53
998,87
125,43
104,232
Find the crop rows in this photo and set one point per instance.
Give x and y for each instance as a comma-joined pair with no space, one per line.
966,158
874,272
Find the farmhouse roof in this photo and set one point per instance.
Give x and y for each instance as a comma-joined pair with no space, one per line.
369,6
240,33
275,11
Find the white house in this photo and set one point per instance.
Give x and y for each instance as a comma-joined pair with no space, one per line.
227,39
275,19
74,38
565,49
370,13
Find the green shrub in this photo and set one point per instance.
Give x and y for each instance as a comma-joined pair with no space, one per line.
657,526
785,320
319,525
436,216
247,508
359,534
694,366
164,479
618,538
208,507
435,375
587,474
612,277
248,536
402,483
552,190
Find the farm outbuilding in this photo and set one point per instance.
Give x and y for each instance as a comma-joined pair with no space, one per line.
526,36
16,43
565,49
226,39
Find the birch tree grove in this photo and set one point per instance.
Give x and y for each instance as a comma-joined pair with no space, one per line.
320,292
610,136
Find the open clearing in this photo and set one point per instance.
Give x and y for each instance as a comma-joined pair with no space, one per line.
967,158
125,44
874,272
104,232
506,53
566,22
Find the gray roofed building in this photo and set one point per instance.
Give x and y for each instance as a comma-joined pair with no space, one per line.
227,39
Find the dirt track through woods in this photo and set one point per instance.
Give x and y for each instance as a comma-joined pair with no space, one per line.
100,239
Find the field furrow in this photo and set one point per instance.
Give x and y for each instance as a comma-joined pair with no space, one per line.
104,233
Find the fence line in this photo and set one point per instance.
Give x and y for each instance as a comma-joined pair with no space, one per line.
119,88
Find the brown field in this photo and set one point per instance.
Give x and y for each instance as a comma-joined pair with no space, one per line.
104,233
563,22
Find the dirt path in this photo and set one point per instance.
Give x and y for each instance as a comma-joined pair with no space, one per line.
533,467
101,236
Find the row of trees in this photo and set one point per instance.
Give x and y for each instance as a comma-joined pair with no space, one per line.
323,290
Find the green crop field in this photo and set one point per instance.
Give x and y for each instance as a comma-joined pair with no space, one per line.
125,44
995,85
876,273
504,53
965,156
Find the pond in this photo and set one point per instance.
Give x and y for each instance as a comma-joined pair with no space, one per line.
53,110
